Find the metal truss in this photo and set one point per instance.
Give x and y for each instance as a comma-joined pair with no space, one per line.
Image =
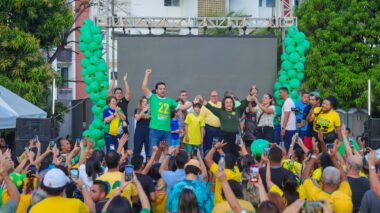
194,23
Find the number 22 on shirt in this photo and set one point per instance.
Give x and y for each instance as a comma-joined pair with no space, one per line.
163,110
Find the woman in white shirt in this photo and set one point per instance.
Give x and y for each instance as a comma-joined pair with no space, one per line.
264,118
90,171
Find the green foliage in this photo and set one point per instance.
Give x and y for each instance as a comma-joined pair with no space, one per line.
44,19
345,51
22,68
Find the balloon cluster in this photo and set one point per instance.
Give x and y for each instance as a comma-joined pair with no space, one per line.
94,72
293,64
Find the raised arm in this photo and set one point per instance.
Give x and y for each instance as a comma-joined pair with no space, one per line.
144,86
268,110
150,162
142,196
373,179
268,176
229,194
112,84
165,162
86,196
127,88
203,166
6,164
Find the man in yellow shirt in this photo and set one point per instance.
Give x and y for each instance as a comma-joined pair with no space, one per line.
212,126
334,186
54,184
231,170
113,178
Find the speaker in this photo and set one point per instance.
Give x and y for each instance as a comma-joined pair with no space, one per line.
27,128
374,133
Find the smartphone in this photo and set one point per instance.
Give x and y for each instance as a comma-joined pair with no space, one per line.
36,138
195,151
330,146
253,174
51,166
215,140
77,141
27,149
74,174
32,171
112,147
266,151
312,205
296,136
377,155
238,138
51,144
128,172
63,158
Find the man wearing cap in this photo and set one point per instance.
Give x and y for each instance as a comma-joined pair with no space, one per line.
54,184
201,191
314,101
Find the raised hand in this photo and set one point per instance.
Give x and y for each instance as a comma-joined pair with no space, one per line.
148,72
220,145
125,76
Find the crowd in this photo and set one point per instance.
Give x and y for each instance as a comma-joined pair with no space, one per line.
198,159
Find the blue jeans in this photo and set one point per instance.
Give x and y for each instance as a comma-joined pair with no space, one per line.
288,138
155,136
211,132
175,142
277,134
110,139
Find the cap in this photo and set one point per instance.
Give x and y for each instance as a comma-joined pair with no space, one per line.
193,162
55,178
315,94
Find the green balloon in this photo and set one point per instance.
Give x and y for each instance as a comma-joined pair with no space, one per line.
86,134
95,29
294,83
280,102
98,38
290,49
292,74
303,59
306,44
286,65
87,80
294,57
96,110
300,76
83,46
258,146
84,72
84,62
102,66
300,50
283,79
88,89
282,72
103,85
299,38
292,31
299,67
98,53
88,21
88,54
278,110
100,143
85,29
94,86
289,42
284,57
96,134
277,86
95,60
86,37
97,123
94,96
93,46
91,69
104,94
277,94
101,103
294,94
99,76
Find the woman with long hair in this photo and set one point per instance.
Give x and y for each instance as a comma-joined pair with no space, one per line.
264,118
142,116
188,202
89,171
113,117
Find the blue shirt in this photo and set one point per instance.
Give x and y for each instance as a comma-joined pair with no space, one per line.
174,125
300,115
172,178
200,190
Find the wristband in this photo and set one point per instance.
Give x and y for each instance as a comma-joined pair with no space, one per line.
372,167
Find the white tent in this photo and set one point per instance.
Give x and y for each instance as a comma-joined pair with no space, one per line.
13,106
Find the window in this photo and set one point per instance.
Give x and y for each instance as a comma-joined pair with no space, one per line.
65,76
260,3
65,55
270,3
171,3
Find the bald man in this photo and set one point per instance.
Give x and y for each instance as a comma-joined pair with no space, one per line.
359,185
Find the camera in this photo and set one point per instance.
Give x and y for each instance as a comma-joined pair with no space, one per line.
296,110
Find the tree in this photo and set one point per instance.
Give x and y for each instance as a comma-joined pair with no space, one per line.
345,51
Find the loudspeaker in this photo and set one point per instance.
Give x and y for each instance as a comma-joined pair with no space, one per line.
27,128
374,133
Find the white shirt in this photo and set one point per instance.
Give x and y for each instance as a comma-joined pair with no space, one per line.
287,107
83,176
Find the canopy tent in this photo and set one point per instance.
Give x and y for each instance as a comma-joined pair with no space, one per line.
13,106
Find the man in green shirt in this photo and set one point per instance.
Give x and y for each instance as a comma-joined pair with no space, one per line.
160,107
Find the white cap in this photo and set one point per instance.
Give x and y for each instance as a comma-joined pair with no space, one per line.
55,178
